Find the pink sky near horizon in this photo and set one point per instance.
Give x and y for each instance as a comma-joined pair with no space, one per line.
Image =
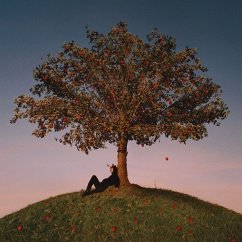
35,169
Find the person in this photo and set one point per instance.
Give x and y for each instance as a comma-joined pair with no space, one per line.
112,180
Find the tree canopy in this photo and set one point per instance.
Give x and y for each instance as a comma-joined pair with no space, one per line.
122,88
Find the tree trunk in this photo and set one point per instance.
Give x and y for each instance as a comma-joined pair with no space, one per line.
122,162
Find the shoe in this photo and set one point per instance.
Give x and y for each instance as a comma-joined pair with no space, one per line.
83,193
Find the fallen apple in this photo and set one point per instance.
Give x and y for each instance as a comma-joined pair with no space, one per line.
174,205
190,219
114,228
136,220
20,227
179,228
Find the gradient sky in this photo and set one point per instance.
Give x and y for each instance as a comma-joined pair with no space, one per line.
33,169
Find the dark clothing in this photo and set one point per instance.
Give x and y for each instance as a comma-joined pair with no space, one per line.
93,181
113,180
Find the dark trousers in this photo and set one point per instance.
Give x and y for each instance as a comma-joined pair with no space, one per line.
94,181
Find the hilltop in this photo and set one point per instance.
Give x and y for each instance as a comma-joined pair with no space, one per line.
130,214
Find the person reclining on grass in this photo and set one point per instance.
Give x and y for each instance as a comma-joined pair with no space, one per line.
112,180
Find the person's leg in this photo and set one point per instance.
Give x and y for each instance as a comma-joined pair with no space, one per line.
93,181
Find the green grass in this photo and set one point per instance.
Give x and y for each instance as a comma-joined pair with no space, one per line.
135,213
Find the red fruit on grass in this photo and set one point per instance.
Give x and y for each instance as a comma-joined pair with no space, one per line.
190,232
174,205
136,220
179,228
114,228
190,220
20,227
46,217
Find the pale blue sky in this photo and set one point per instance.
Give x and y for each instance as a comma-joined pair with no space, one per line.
33,169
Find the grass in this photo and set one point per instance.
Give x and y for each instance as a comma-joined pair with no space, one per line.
131,214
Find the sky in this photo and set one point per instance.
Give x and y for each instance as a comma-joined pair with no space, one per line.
33,169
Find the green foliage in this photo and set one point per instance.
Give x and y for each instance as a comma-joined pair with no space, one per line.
132,214
123,87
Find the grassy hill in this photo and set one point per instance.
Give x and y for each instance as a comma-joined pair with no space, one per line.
131,214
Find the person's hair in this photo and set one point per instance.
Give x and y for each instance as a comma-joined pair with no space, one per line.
115,169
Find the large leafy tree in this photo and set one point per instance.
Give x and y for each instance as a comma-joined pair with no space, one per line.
121,89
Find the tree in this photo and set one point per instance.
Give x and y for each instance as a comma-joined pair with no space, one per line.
121,89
